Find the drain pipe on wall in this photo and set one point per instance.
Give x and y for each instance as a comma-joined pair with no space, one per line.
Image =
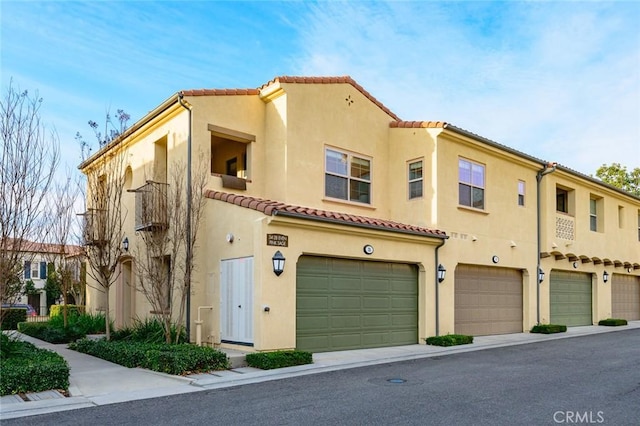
548,168
438,287
189,254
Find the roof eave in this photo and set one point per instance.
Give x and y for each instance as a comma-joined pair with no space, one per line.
357,225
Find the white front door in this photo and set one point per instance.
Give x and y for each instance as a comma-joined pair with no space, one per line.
236,300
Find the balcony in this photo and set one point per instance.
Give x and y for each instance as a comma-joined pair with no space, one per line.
565,227
94,230
151,207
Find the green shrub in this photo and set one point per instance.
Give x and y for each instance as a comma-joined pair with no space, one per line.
26,368
612,322
278,359
53,331
149,330
12,316
56,310
449,340
549,328
44,331
171,359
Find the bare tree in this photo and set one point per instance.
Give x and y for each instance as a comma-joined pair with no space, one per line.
162,263
64,255
29,156
103,229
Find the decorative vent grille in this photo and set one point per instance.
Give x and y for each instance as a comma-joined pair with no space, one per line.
565,228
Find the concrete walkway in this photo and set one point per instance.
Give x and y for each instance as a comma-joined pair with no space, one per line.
94,381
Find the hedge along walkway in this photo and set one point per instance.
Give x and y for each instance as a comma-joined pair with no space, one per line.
94,378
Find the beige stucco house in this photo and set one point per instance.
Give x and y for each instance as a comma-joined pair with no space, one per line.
364,207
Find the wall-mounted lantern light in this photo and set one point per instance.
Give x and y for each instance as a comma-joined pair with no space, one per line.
441,273
278,263
605,276
540,275
125,244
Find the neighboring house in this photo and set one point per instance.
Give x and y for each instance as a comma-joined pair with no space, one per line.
36,260
364,207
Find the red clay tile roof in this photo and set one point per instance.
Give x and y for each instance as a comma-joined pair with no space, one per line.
275,208
333,80
34,247
220,92
290,79
418,124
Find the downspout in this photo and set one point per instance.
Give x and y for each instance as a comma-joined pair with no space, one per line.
548,168
189,254
438,288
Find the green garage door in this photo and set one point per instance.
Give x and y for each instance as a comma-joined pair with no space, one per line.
570,298
351,304
625,297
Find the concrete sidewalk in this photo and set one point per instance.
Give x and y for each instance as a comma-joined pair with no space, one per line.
94,381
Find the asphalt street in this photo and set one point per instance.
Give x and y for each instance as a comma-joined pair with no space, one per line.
592,379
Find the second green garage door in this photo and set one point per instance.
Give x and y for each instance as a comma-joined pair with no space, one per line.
570,298
351,304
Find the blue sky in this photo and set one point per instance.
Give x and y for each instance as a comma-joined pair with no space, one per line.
557,80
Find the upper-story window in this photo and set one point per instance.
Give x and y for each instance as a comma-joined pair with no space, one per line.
415,179
347,176
521,188
596,212
562,200
470,184
35,270
638,225
593,214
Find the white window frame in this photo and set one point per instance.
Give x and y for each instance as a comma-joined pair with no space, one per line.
415,180
593,214
522,190
347,175
473,186
35,269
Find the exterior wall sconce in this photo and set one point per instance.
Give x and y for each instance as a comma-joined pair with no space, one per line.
125,244
278,263
540,275
441,273
605,277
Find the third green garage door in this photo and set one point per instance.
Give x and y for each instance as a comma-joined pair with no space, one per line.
570,298
351,304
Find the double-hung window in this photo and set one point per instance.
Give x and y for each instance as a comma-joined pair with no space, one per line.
593,214
470,184
521,187
35,270
415,179
347,176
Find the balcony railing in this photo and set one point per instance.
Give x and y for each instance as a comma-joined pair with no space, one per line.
94,227
151,207
565,227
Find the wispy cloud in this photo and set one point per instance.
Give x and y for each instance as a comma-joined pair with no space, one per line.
560,81
557,80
